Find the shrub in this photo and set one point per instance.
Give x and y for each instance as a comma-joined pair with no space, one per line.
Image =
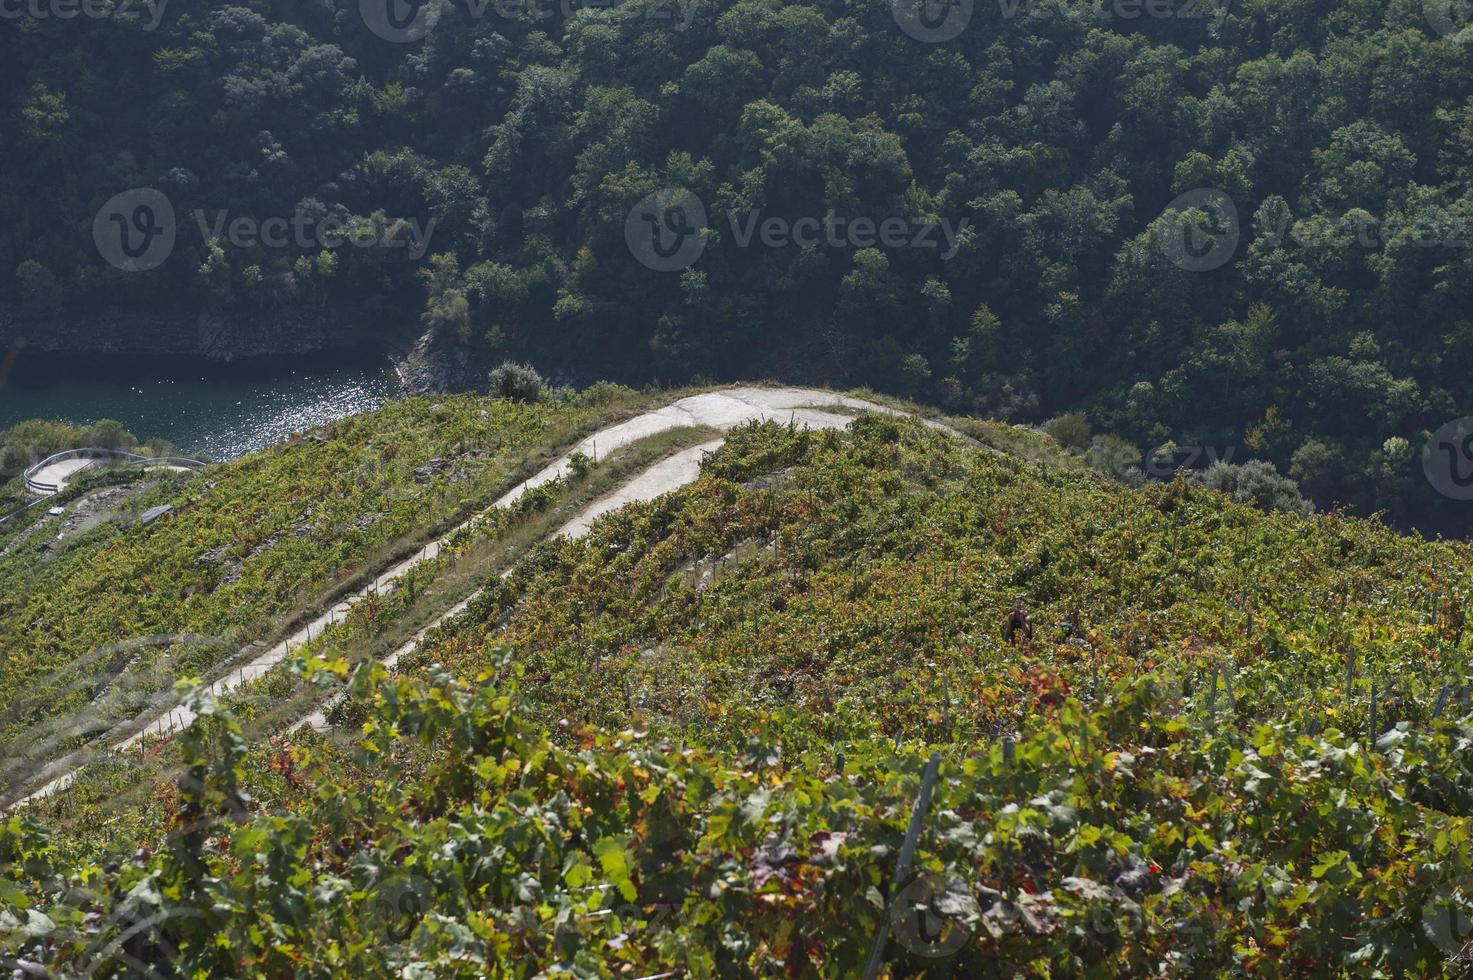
1072,431
1255,482
517,382
603,392
580,465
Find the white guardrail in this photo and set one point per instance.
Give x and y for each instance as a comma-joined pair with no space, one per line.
100,455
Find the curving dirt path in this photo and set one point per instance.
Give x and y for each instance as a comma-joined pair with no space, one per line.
723,410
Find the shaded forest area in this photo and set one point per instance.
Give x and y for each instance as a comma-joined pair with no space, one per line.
1242,226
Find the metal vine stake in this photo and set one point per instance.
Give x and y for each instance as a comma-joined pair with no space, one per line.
1441,700
1371,728
946,693
907,858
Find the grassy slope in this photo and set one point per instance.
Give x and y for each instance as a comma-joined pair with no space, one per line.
1145,821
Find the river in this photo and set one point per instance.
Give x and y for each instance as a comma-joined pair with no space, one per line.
212,413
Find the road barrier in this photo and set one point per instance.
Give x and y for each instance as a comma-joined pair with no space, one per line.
100,456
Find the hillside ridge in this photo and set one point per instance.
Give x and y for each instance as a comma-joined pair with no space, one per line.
721,409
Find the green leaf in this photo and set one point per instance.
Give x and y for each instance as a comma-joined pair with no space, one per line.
613,857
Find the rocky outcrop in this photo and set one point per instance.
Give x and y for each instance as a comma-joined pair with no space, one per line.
438,364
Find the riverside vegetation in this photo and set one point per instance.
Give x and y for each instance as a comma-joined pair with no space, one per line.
691,741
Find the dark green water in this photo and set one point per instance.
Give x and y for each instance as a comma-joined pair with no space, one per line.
212,413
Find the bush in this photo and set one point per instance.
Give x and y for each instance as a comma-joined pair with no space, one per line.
517,382
1255,482
1071,431
604,392
580,465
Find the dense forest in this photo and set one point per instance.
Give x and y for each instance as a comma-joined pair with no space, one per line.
1240,226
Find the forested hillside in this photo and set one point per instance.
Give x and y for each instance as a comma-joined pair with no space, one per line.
1174,736
1307,302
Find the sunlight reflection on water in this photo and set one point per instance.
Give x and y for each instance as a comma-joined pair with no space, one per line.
212,418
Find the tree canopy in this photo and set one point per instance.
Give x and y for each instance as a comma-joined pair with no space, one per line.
1238,226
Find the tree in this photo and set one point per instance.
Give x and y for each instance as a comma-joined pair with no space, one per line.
447,310
1316,467
108,434
39,288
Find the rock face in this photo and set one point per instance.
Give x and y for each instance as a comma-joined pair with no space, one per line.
185,331
438,364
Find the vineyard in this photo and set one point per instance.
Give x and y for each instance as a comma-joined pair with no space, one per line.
771,725
247,547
